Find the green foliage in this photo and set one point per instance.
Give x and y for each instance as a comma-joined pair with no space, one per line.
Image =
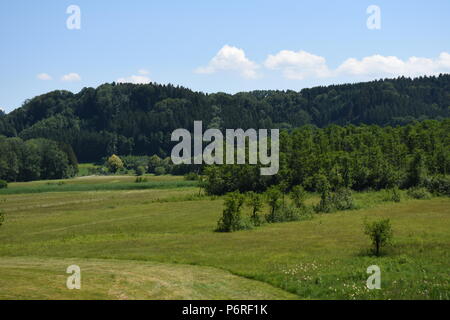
326,200
343,199
114,163
273,197
380,233
392,194
3,184
298,196
140,171
439,185
129,119
355,157
419,193
140,179
159,171
255,202
231,219
34,159
191,176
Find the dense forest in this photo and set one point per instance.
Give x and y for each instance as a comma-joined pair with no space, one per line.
130,119
350,157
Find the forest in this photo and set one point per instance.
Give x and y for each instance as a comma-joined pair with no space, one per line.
129,119
365,135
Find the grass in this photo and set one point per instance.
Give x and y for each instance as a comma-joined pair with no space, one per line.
95,184
322,258
120,280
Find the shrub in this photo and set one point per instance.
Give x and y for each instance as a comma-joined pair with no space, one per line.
114,163
380,233
2,217
439,185
298,196
273,195
231,219
419,193
191,176
255,203
3,184
343,199
392,194
326,200
140,171
159,171
140,179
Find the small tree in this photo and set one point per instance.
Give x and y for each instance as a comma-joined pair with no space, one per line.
273,195
255,203
159,171
380,232
3,184
298,196
326,200
2,215
140,170
114,163
231,219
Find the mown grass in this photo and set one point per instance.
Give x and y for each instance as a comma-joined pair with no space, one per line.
120,280
322,258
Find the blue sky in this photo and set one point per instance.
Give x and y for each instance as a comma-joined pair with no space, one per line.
212,46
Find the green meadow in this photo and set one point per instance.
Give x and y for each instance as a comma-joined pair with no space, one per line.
156,240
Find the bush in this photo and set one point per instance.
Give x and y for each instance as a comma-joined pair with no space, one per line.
231,219
2,217
140,179
326,200
439,185
419,193
140,171
298,196
343,199
3,184
392,194
159,171
291,213
273,195
114,163
380,233
191,176
255,202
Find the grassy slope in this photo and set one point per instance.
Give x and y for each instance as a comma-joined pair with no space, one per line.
38,278
321,258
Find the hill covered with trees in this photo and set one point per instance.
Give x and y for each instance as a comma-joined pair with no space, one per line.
130,119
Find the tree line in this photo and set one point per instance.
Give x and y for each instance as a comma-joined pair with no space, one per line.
354,157
35,159
129,119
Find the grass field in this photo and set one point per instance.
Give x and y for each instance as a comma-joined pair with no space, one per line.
158,243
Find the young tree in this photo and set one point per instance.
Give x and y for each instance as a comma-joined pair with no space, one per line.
380,233
273,195
326,200
231,219
255,202
140,170
298,196
114,163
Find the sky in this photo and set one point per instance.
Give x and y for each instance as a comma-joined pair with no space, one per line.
211,46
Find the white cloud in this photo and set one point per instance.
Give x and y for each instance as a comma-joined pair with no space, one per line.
301,65
71,77
231,59
143,71
298,65
379,66
136,79
44,76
